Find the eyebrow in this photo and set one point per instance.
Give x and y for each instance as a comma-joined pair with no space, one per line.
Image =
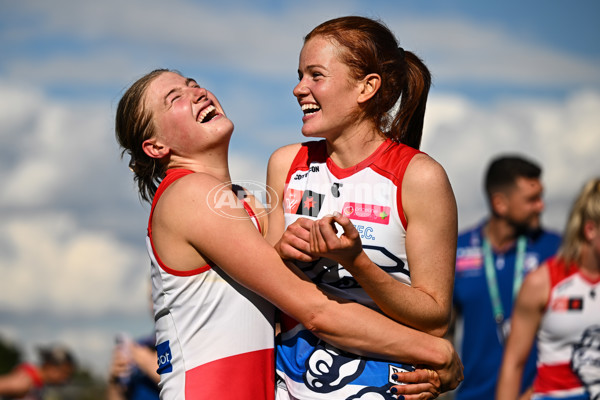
177,89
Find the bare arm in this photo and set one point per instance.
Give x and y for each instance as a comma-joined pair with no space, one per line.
16,383
525,321
256,265
291,243
430,209
146,360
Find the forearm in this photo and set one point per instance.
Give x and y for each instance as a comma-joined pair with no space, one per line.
408,305
115,391
509,382
362,331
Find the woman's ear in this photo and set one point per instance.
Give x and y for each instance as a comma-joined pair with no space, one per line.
154,149
590,230
370,85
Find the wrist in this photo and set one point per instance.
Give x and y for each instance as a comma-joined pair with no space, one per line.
357,261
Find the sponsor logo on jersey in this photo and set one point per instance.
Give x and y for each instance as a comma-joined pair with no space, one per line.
163,352
567,304
303,202
367,212
299,176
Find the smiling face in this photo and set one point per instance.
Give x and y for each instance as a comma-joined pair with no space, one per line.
326,92
187,117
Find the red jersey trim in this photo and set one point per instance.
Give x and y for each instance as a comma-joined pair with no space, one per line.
33,373
171,176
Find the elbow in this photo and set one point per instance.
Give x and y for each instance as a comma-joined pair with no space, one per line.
438,327
315,322
439,331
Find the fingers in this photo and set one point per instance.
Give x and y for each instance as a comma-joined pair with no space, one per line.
295,241
419,384
346,223
323,236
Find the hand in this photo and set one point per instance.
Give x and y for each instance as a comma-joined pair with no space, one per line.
294,243
325,242
120,365
420,384
427,383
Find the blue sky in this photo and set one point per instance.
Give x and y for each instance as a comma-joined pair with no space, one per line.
509,76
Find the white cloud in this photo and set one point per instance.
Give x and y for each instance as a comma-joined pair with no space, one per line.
560,135
462,50
52,265
142,35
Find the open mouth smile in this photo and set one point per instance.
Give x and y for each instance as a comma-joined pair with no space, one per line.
207,114
310,108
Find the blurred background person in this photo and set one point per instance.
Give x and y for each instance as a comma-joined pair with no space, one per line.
560,303
491,261
29,381
132,374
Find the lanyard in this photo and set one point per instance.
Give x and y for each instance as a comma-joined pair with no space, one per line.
490,274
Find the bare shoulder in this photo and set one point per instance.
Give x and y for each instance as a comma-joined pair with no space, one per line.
535,290
423,169
193,190
284,155
425,178
538,279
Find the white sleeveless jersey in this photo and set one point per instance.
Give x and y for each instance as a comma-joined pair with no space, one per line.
370,195
215,338
569,336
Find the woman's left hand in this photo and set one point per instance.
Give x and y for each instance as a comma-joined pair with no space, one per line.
421,384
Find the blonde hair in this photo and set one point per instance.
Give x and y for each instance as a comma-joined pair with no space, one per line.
586,208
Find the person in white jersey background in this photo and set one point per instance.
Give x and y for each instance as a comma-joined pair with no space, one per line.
560,303
366,97
215,336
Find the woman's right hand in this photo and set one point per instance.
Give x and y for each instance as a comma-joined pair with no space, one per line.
295,241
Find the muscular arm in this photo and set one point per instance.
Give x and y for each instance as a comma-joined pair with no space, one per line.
525,321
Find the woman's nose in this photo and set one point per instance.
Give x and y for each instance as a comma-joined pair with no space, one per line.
300,89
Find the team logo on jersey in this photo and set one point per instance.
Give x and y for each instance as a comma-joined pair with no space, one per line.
585,360
163,352
367,212
303,202
335,189
567,304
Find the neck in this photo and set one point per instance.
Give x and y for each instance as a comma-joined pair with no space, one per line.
500,233
211,163
353,147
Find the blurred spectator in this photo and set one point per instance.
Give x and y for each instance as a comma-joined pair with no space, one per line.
491,261
560,303
28,381
133,373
